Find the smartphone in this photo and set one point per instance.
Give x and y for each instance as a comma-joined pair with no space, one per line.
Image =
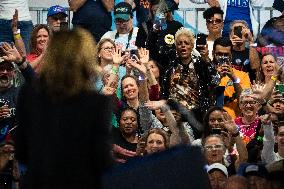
216,131
238,31
201,39
280,88
134,52
64,26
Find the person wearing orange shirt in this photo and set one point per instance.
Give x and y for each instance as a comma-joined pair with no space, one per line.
233,81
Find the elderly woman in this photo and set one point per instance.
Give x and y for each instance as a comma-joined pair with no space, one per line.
188,78
249,125
63,137
38,43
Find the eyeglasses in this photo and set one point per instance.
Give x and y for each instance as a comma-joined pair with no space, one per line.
108,48
58,17
120,21
216,21
214,147
248,102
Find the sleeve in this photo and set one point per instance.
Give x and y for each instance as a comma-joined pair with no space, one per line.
28,73
245,81
267,153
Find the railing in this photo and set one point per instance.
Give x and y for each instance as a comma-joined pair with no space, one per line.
185,12
41,12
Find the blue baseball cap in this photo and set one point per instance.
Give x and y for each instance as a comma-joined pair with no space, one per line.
56,10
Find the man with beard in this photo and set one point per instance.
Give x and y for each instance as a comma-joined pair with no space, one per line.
8,92
234,81
125,34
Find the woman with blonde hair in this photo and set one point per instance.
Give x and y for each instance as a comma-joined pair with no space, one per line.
63,122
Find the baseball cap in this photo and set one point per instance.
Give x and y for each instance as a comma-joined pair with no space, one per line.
56,10
123,11
217,166
256,170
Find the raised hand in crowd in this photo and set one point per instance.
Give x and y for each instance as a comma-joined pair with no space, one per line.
236,40
248,35
233,130
19,43
213,3
117,57
11,53
204,52
230,124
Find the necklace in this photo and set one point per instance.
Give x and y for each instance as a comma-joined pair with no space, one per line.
247,132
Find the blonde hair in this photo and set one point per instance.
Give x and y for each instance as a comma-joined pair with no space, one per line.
187,32
99,47
69,64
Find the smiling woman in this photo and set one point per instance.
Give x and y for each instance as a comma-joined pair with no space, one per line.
38,44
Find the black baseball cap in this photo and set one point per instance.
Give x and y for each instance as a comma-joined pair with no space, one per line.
123,11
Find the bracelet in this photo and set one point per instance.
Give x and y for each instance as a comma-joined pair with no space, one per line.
114,70
22,62
17,36
274,78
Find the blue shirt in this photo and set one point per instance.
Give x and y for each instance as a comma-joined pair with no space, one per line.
236,10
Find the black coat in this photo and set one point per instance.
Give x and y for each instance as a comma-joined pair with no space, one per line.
64,144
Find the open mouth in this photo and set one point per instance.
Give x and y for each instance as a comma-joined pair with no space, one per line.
4,79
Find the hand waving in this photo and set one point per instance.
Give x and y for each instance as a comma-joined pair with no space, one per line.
11,53
117,58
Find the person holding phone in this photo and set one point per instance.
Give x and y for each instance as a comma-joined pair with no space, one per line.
244,58
233,80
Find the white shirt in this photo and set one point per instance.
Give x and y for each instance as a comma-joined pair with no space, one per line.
122,40
7,9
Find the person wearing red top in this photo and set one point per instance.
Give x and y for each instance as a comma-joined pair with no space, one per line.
38,43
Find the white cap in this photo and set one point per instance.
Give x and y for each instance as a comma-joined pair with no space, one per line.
218,166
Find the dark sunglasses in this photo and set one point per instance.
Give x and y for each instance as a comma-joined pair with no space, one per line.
8,67
58,17
211,21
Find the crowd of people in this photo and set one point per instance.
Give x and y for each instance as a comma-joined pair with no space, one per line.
91,97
